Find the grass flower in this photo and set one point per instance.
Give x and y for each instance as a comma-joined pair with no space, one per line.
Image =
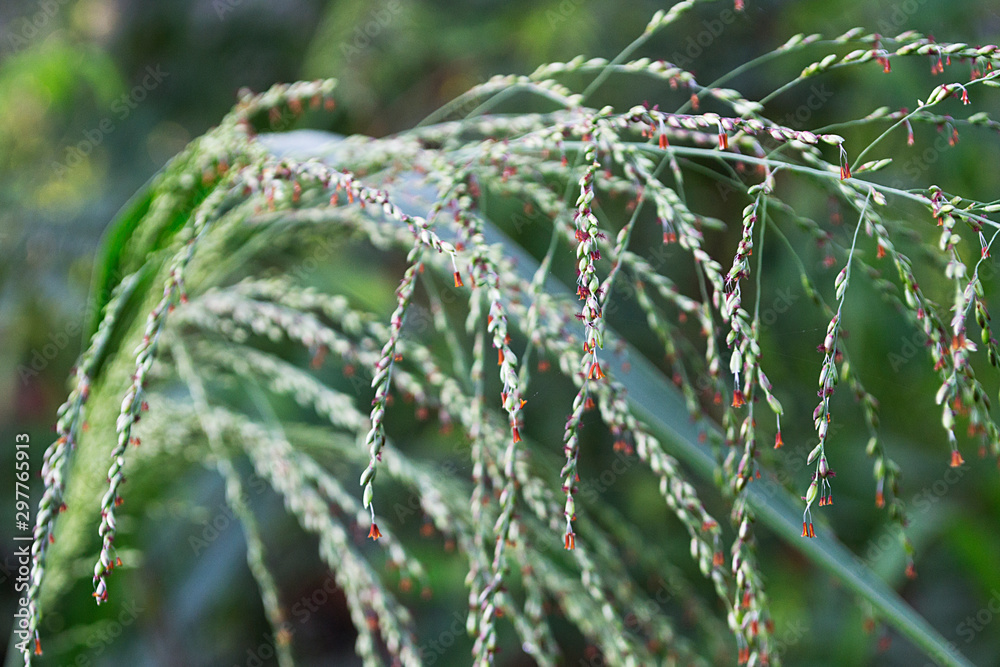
248,366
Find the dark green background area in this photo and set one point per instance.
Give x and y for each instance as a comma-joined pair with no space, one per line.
96,96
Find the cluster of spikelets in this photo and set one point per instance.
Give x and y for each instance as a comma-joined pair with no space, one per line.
426,192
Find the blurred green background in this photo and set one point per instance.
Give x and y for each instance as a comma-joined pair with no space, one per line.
96,95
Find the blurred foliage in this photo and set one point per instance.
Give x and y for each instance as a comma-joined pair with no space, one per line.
76,141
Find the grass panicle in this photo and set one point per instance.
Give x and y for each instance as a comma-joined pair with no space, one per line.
216,338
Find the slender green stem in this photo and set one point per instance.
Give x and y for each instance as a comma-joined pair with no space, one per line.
887,132
762,221
774,93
